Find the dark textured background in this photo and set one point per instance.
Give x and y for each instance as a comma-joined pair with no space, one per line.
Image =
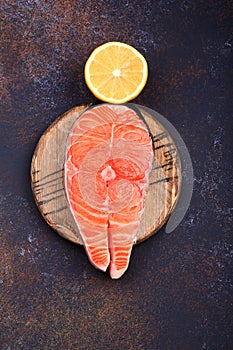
177,291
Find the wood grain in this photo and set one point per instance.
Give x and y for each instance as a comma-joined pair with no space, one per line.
47,172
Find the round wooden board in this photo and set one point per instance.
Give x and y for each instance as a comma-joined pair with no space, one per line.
47,171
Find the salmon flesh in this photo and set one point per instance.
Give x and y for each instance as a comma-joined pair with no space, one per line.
108,162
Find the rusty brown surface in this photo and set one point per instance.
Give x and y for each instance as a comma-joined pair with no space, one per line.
177,291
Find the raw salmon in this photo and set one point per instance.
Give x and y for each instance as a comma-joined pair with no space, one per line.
108,161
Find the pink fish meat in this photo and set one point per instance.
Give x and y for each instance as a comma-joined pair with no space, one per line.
108,162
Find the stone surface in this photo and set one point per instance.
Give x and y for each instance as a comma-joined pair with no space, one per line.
177,293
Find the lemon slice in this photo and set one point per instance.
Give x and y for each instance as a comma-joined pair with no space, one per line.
116,72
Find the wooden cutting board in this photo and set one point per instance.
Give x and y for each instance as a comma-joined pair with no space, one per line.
47,172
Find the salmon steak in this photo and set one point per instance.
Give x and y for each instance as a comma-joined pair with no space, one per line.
107,166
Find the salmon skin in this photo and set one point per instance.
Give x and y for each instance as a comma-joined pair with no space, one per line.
107,166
